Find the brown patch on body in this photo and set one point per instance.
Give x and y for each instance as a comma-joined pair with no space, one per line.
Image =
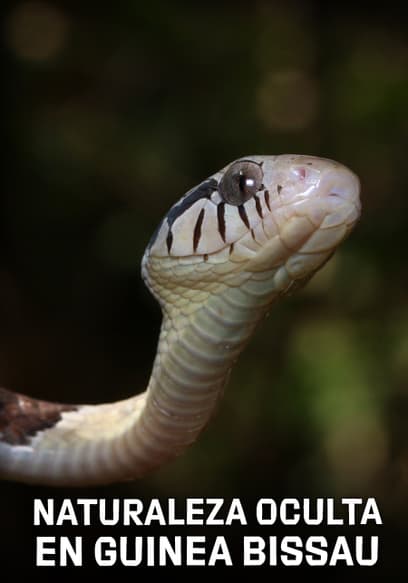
22,417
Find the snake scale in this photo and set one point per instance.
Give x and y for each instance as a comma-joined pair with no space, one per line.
233,245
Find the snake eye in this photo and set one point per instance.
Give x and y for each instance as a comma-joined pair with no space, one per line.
240,182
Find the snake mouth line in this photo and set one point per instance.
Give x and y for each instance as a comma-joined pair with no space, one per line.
324,226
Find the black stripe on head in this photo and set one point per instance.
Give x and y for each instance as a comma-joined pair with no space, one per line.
204,190
21,417
197,230
243,214
258,207
221,219
169,241
267,199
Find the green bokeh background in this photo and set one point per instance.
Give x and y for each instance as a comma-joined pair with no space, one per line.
112,112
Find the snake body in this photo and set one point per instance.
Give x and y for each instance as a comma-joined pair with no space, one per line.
221,256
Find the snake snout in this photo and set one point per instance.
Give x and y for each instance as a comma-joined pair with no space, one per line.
340,188
342,184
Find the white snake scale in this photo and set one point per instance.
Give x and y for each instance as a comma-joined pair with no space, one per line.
230,247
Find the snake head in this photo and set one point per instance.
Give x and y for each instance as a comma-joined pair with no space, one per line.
257,215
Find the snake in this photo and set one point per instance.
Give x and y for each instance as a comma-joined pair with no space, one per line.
232,246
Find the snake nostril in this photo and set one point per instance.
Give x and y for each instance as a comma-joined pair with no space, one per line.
338,193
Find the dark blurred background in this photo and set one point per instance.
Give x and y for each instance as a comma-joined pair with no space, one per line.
112,111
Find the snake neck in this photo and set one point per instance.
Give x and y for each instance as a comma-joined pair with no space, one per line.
197,347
